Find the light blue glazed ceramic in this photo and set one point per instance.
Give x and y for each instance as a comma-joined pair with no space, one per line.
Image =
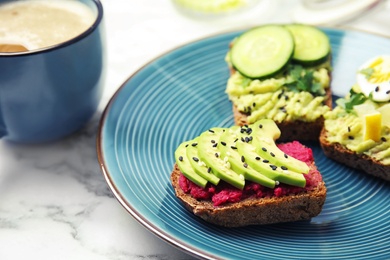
52,92
181,94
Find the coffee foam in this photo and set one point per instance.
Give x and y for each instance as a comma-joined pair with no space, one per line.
38,24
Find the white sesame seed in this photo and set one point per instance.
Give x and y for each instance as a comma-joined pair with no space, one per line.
201,163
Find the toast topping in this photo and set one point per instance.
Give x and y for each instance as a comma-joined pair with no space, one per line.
296,91
225,193
240,154
359,135
374,78
281,106
371,120
361,120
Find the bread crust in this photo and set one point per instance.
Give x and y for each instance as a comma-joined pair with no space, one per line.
292,130
362,162
254,211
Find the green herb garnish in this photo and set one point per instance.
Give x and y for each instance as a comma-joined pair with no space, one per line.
303,80
354,99
367,72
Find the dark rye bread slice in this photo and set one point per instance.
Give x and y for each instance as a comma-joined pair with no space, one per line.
254,211
342,154
292,130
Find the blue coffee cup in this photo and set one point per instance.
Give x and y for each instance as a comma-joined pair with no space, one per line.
49,93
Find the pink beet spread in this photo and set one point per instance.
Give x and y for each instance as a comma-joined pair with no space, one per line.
224,193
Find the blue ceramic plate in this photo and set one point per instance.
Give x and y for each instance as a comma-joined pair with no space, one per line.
179,95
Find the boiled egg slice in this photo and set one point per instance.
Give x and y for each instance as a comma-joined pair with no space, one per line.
373,78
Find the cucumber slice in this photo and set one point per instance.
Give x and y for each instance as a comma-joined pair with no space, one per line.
312,46
262,51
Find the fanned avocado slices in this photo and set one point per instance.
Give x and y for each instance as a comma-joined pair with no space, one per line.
239,154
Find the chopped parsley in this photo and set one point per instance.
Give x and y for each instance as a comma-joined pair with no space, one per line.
354,99
367,72
303,80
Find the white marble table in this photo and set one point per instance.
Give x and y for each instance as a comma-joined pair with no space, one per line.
54,201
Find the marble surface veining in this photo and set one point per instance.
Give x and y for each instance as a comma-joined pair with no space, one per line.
54,201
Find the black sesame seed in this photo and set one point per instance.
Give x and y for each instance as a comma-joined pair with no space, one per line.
216,155
284,168
194,144
242,130
388,92
209,170
195,159
233,147
243,139
254,104
257,158
349,129
249,131
377,89
285,156
223,143
286,98
242,158
186,145
260,126
264,149
245,165
350,137
236,140
273,167
213,141
215,145
181,158
272,154
265,161
247,139
383,139
211,131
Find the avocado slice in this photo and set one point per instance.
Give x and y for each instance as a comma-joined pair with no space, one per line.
185,166
209,153
238,160
265,132
269,169
199,166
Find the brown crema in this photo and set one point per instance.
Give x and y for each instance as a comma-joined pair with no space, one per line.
12,48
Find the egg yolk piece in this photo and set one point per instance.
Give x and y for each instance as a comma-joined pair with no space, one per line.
373,126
